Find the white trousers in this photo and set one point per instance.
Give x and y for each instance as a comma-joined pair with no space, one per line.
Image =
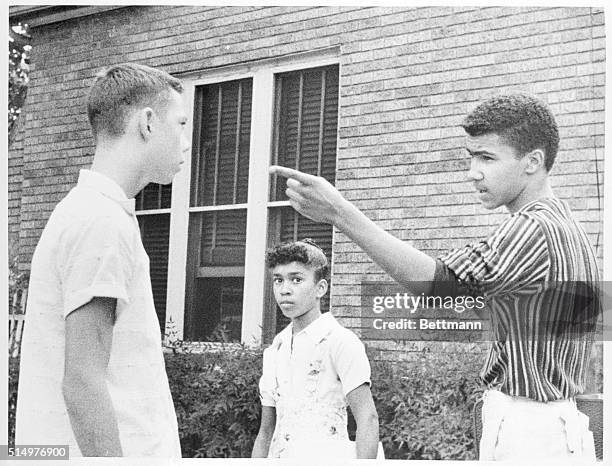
519,428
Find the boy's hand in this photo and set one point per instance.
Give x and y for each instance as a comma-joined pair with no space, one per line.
312,196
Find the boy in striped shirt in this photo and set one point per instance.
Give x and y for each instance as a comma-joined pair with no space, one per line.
537,271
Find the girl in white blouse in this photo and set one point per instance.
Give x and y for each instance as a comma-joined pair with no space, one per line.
313,370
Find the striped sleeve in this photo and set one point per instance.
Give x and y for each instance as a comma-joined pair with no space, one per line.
516,254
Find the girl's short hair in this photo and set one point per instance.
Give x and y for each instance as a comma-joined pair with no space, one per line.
305,251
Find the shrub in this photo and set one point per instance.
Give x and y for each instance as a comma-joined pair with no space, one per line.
424,407
217,401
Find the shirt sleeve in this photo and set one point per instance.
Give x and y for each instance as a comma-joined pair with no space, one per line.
515,255
96,260
267,382
350,361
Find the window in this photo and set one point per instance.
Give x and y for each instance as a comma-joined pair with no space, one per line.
153,213
306,119
226,209
217,213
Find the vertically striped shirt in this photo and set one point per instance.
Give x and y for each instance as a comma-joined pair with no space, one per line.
539,275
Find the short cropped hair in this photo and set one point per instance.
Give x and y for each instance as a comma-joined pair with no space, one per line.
305,251
521,120
120,89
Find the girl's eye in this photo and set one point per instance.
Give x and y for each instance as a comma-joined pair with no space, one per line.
297,280
278,281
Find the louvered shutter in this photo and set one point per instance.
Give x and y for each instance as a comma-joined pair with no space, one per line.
155,234
305,139
220,174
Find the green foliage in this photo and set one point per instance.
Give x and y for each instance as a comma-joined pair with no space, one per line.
424,407
19,56
217,402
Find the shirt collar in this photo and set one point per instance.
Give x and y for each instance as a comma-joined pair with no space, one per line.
107,187
545,200
319,328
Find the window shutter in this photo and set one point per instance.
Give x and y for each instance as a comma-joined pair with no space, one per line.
155,231
154,196
222,138
155,234
306,123
223,238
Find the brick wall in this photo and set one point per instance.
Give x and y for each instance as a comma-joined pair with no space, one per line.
408,76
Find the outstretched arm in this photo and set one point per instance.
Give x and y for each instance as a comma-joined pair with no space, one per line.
315,198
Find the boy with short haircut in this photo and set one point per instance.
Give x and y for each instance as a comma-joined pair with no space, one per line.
536,364
312,370
92,371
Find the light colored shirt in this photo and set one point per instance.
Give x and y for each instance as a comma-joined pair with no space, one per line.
306,378
539,275
91,247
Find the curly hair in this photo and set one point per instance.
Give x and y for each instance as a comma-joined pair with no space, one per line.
305,251
120,89
521,120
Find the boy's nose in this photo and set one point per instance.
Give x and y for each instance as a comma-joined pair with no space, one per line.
474,174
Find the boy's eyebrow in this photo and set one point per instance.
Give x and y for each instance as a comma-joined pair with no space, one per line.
290,274
477,152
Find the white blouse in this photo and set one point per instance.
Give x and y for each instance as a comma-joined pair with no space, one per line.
306,378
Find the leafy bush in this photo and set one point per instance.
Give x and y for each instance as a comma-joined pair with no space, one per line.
217,402
424,407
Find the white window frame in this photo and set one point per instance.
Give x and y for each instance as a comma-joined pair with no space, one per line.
262,119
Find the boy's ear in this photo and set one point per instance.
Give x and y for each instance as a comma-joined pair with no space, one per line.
322,287
145,122
535,159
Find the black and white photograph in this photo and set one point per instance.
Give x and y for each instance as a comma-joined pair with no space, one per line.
311,232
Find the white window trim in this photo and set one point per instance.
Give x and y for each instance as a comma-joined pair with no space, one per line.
262,118
213,208
153,211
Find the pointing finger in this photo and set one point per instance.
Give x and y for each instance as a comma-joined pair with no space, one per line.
303,178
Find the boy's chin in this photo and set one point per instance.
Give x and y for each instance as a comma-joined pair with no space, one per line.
490,205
